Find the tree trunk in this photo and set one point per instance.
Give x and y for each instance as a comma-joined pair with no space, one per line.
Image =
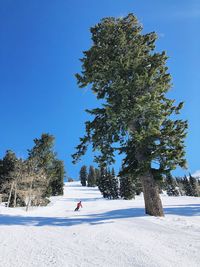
153,204
10,194
15,196
29,195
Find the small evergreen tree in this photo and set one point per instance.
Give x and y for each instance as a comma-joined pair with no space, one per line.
83,175
91,180
194,186
114,188
138,185
127,187
171,186
57,180
8,165
97,175
44,156
187,186
103,183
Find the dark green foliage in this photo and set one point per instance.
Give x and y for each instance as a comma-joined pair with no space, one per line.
138,185
7,166
135,118
57,180
127,187
171,186
83,175
91,179
103,182
108,184
194,186
123,69
97,174
114,185
187,186
44,156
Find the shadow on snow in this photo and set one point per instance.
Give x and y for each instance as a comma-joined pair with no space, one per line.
93,219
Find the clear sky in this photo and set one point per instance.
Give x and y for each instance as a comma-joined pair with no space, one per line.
41,42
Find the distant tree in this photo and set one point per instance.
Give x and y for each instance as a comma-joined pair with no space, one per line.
12,185
187,186
137,185
27,186
83,175
97,175
103,183
43,154
57,180
180,184
108,183
171,186
7,166
91,180
194,186
33,184
114,187
127,187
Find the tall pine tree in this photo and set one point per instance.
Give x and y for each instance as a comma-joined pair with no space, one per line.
44,156
124,70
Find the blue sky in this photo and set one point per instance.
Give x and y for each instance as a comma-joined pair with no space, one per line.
41,42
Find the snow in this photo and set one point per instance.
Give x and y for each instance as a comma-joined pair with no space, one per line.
196,174
103,233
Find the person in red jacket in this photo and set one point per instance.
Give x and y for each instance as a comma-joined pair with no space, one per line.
79,205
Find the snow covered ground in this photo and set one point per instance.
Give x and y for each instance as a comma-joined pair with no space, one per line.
104,233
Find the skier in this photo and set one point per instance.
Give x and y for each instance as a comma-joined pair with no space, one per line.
79,205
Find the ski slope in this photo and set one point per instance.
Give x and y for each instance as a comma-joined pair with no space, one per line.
104,233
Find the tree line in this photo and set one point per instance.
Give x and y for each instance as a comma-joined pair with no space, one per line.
29,182
127,186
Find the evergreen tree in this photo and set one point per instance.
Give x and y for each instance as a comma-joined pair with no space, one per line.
97,175
108,184
103,183
8,165
171,186
137,185
83,175
125,72
57,180
91,180
187,186
44,156
127,187
194,187
179,182
114,188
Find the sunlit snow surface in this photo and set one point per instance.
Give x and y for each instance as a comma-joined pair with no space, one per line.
103,233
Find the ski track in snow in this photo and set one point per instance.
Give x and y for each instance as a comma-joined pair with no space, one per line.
104,233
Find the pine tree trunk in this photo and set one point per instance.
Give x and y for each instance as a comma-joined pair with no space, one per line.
29,195
15,196
153,204
10,194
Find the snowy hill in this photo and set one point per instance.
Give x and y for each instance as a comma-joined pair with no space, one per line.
104,233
